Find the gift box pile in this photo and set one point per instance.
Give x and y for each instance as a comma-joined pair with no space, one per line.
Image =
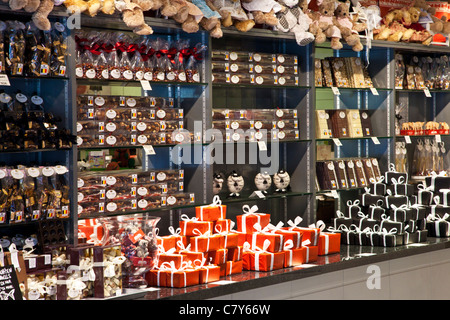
207,247
391,212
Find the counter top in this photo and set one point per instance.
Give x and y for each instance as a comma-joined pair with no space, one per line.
350,256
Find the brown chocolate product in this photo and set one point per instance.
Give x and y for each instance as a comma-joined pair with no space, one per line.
376,168
233,78
366,123
369,170
285,114
235,56
118,138
352,178
87,141
327,74
180,199
355,72
89,179
263,79
120,192
285,135
147,138
121,206
339,123
399,72
263,124
287,80
264,58
339,70
363,180
259,68
86,209
341,174
410,78
167,114
318,77
288,124
92,194
87,127
178,136
287,69
115,126
221,114
287,59
147,126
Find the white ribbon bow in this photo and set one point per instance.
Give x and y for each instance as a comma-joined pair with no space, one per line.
295,223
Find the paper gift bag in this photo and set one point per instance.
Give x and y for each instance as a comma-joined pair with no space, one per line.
259,259
193,226
293,256
231,267
329,243
246,221
211,212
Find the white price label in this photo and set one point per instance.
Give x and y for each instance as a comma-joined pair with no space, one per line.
374,91
375,140
438,138
262,146
149,149
334,194
146,85
427,93
408,139
335,91
4,80
337,142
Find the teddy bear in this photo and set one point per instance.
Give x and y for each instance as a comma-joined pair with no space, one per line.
133,17
211,18
263,11
40,16
191,23
232,13
292,18
349,26
324,24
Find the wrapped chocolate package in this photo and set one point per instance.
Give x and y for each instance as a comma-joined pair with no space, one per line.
339,123
366,123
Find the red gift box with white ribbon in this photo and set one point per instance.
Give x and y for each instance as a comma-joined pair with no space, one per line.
246,221
259,259
211,212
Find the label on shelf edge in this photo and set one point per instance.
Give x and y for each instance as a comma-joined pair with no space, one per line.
374,91
146,85
4,80
407,139
427,92
335,91
375,140
337,142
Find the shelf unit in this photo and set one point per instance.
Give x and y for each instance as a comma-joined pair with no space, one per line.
298,157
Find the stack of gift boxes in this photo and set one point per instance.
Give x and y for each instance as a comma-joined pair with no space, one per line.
206,247
392,212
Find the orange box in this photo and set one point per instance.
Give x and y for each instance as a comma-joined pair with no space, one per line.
229,240
246,221
195,227
182,278
156,278
209,273
235,253
223,225
311,234
211,212
167,242
242,237
294,257
329,243
311,253
264,261
294,235
176,258
258,239
218,256
182,244
230,267
205,243
194,256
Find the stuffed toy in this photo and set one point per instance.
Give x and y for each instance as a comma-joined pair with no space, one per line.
292,18
133,17
40,16
182,11
211,18
324,24
349,26
76,6
232,13
191,23
263,11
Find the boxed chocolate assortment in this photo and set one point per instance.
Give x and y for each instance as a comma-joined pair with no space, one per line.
129,121
346,173
256,124
128,191
343,124
236,67
342,72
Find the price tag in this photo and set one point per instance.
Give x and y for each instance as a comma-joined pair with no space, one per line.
149,149
374,91
375,140
4,80
408,139
262,145
335,91
427,92
334,194
146,85
438,138
337,142
258,194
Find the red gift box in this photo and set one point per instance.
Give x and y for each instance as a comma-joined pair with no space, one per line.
311,253
209,273
258,239
293,256
194,227
156,278
223,225
246,221
168,242
182,278
235,253
92,229
218,256
231,267
205,242
311,233
259,259
170,256
191,256
295,236
329,243
211,212
229,240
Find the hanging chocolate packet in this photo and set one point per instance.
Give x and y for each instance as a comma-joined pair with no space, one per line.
101,67
16,48
58,62
52,195
137,66
2,47
16,204
193,65
31,194
62,185
4,195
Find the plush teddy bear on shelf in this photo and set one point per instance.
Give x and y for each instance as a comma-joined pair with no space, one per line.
349,26
263,11
324,24
232,13
133,17
211,18
192,21
292,18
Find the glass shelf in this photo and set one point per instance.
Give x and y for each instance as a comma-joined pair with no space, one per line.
339,190
33,150
246,197
258,86
122,83
353,89
357,138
